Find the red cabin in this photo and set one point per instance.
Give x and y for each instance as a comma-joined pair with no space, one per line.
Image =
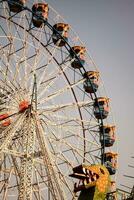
24,105
91,83
40,13
16,5
107,135
59,30
4,116
5,120
80,51
101,107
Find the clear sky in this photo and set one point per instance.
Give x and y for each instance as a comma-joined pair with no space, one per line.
107,29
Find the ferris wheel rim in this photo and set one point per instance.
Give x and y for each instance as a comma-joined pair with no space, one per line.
52,28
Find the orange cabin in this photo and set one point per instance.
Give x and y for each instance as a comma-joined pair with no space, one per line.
91,83
6,123
40,13
78,51
101,107
16,5
59,30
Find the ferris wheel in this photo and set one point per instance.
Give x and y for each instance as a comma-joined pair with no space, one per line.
54,115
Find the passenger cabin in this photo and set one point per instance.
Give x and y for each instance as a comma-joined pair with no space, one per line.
110,161
77,53
24,105
91,83
59,30
101,107
4,120
40,13
112,195
112,186
16,5
107,135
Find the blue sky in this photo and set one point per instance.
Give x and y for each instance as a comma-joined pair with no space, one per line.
107,29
